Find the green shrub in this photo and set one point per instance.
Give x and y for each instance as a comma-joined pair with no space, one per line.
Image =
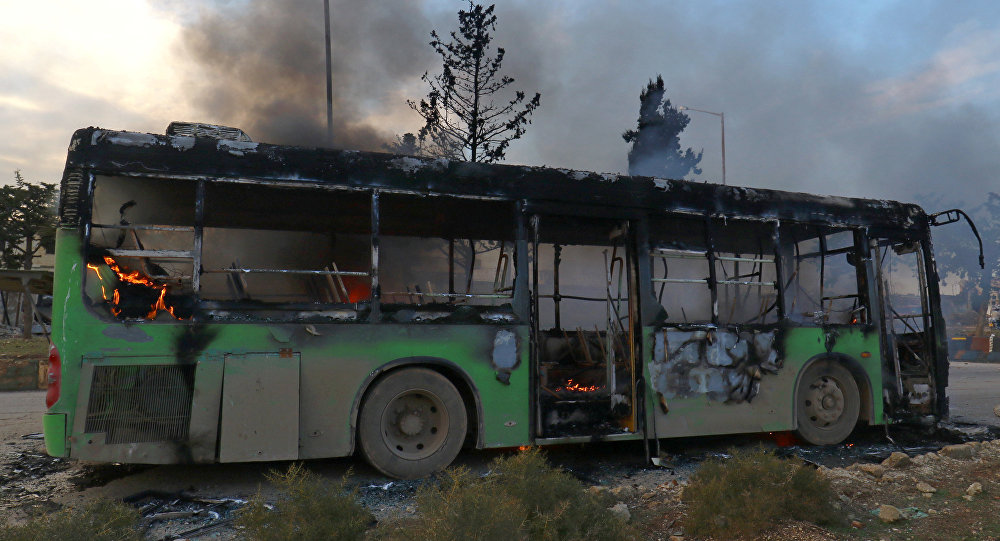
462,507
753,491
308,508
103,520
522,497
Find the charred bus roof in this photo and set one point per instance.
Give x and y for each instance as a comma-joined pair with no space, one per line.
150,155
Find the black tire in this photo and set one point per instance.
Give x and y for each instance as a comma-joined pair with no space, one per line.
412,423
827,403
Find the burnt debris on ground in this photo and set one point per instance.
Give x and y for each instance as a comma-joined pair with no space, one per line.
167,515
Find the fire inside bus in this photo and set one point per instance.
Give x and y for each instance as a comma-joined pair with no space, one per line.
220,300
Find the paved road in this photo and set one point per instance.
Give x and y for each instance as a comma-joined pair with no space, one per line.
974,390
21,413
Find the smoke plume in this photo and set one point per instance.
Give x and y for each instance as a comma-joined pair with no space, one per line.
262,65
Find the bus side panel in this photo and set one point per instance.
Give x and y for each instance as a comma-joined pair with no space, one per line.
694,407
338,363
336,360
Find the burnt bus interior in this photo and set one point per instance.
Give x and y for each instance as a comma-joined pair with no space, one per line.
278,253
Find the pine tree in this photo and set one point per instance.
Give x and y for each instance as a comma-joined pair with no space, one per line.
462,119
28,221
656,147
405,144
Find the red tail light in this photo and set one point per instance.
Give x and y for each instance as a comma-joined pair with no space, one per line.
54,376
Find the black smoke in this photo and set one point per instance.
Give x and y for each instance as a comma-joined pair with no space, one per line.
261,67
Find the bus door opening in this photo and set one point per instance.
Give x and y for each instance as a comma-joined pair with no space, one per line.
583,273
908,323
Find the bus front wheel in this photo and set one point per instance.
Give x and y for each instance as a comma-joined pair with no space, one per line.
827,403
412,423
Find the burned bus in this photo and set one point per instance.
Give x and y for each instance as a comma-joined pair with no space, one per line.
221,300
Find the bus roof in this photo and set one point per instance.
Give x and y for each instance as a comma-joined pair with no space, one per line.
152,155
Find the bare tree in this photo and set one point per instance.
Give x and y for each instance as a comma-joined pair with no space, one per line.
462,117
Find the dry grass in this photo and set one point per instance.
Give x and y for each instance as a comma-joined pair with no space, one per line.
19,348
309,508
102,520
754,491
522,497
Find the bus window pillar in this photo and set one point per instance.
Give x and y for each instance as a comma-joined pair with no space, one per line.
199,226
521,300
376,288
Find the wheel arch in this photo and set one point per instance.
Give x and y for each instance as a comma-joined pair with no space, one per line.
458,377
860,377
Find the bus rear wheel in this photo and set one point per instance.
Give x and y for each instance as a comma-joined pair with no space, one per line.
412,423
827,403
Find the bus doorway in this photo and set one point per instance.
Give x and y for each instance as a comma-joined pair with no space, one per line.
909,325
583,324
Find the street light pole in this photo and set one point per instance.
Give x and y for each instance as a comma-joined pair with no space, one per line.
329,75
722,118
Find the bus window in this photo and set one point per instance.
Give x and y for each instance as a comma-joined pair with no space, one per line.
821,278
905,287
273,245
445,251
745,272
140,258
680,269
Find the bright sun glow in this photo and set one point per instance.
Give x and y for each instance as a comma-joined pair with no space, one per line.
105,49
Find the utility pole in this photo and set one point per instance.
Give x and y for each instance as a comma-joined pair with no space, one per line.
329,75
722,118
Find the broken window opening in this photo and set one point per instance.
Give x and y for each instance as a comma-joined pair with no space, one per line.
141,249
681,271
274,248
905,284
439,254
822,277
746,274
255,247
421,270
717,281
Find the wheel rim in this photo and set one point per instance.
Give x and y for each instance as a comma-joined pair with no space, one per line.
824,402
415,424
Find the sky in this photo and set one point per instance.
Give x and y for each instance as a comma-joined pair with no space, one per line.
885,99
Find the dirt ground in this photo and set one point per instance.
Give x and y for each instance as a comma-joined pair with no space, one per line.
201,499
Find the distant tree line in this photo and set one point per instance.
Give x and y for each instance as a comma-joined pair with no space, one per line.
27,227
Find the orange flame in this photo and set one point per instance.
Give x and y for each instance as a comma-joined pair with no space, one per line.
134,277
576,387
357,289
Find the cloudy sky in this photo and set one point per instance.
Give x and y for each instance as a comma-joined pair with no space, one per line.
863,98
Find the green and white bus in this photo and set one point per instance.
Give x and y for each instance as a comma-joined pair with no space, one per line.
221,300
